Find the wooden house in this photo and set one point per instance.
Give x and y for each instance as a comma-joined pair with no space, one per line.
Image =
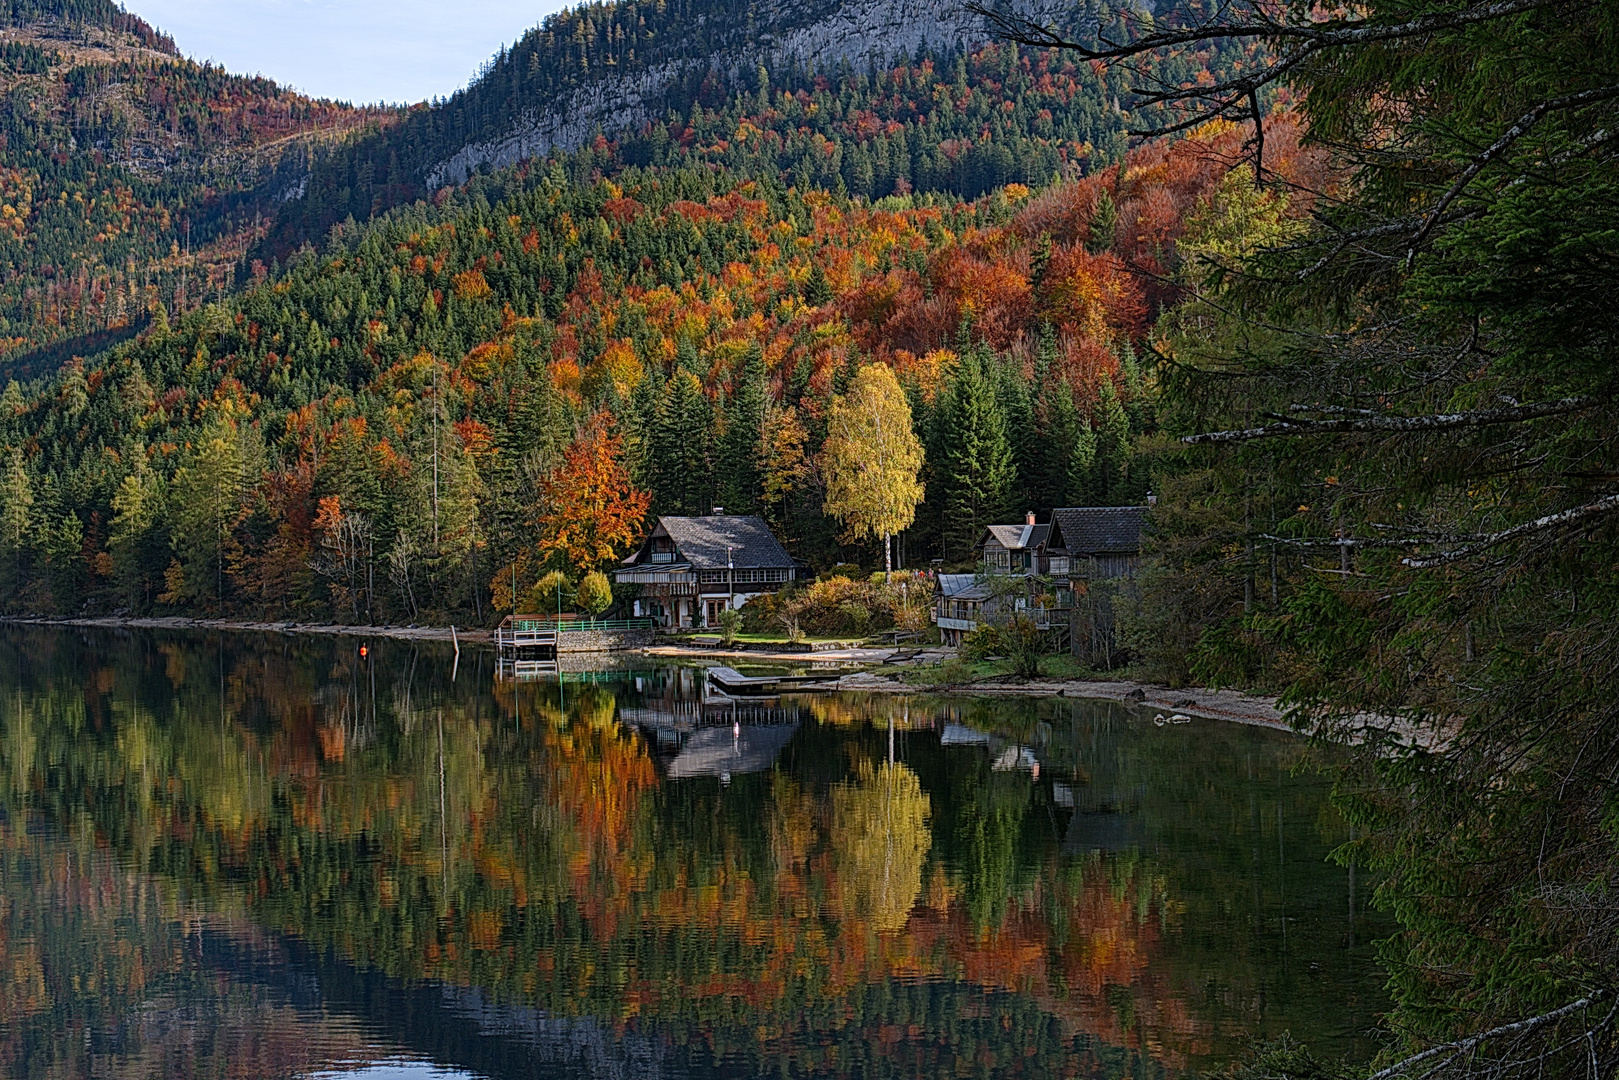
1081,544
692,568
1096,543
1015,549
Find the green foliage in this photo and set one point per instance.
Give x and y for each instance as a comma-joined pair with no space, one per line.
730,623
1017,639
553,594
595,593
975,467
1454,578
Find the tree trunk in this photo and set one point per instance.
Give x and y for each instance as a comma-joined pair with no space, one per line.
888,558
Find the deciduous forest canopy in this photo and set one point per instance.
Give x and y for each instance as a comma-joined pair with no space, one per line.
1343,302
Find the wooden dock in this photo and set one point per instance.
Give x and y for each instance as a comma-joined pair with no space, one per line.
732,681
526,637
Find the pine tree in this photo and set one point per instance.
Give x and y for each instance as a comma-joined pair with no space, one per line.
16,517
682,475
736,471
1062,444
1110,473
976,471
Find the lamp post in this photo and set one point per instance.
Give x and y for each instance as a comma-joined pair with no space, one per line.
730,580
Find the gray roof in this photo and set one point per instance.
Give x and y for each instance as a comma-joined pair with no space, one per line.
726,752
1098,530
1017,537
702,541
963,587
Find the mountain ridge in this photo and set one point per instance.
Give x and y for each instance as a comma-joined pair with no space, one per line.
858,33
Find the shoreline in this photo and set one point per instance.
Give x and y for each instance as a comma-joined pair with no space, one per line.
186,622
1197,702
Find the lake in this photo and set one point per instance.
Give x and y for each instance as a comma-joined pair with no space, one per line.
254,855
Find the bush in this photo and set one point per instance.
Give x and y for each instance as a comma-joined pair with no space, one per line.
730,621
981,643
543,597
595,593
841,606
1019,640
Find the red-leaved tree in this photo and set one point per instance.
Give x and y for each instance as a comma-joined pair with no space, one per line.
591,510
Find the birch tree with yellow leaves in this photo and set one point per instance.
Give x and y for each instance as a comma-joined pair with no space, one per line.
871,459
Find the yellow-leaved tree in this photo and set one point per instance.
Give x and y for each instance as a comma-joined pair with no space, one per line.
871,458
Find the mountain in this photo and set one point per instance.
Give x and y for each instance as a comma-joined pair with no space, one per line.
691,82
131,177
347,367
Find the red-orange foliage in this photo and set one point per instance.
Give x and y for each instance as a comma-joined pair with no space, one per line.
1092,294
592,510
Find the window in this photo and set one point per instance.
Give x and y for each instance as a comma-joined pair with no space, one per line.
749,576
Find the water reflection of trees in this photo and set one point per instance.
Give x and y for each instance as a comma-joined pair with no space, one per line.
837,910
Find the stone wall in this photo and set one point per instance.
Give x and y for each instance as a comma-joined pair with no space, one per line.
574,641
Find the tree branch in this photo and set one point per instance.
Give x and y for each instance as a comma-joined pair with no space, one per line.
1312,38
1519,129
1320,35
1441,422
1400,1067
1605,505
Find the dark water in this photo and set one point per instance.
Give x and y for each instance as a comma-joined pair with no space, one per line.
266,856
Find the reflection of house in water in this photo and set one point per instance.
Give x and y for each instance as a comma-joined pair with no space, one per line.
699,732
1007,757
726,752
1099,820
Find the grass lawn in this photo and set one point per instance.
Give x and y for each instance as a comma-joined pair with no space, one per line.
1056,666
769,639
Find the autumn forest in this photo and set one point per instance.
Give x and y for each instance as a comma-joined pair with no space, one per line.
1327,291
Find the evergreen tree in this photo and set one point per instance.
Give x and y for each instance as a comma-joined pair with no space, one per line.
1063,440
680,465
736,469
1109,474
976,470
134,540
16,518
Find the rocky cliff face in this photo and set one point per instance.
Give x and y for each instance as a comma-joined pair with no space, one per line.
782,33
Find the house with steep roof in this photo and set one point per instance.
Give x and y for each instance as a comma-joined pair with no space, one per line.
692,568
1015,549
1080,544
1097,542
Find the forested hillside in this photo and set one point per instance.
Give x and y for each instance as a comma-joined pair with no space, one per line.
372,425
867,97
387,411
131,178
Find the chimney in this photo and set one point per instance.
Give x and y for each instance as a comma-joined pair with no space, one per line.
1028,518
718,511
1152,500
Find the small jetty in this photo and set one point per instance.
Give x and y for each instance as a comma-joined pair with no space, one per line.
734,682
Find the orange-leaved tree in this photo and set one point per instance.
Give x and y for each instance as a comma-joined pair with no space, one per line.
591,510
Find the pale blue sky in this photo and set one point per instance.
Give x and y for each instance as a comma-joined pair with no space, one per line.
355,50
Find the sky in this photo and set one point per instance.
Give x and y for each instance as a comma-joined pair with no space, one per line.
359,51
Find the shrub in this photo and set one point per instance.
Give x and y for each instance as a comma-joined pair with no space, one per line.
595,593
547,595
981,643
833,606
730,621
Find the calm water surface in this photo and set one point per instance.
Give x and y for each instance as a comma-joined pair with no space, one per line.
266,856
